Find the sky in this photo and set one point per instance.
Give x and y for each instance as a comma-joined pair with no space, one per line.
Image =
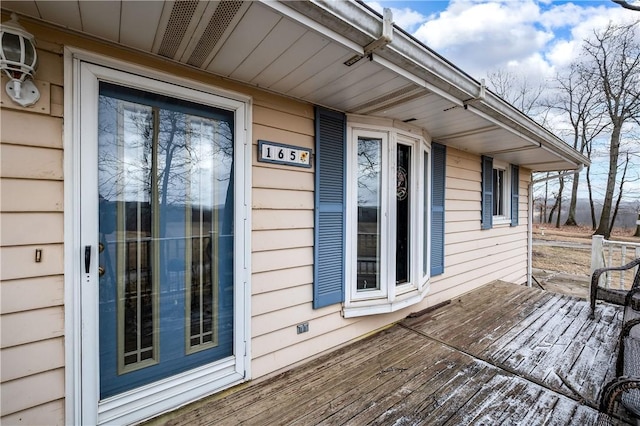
533,39
524,36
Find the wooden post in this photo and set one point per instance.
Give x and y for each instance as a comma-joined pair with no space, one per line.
597,253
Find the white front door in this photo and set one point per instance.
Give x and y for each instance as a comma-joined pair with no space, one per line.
163,237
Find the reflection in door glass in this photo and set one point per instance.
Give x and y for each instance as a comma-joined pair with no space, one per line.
165,181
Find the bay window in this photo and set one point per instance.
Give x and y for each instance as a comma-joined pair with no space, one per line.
379,216
388,220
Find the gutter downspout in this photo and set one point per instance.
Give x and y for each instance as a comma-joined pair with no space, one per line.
385,38
530,219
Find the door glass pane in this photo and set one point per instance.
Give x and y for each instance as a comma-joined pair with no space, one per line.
403,213
136,297
165,169
369,207
209,175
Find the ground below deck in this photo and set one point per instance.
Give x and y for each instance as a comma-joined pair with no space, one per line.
503,354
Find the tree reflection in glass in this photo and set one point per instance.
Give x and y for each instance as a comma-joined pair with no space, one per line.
369,207
165,184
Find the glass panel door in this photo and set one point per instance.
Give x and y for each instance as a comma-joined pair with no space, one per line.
165,183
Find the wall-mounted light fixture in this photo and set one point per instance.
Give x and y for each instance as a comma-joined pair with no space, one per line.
19,60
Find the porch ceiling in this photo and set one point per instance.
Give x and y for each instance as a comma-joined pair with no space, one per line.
299,49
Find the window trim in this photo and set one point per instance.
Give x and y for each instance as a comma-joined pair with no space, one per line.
390,297
503,219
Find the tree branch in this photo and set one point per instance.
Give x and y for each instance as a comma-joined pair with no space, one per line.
626,5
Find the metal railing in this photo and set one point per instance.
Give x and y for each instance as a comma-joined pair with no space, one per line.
608,253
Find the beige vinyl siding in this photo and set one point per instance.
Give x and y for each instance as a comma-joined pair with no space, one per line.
51,413
32,294
474,257
282,244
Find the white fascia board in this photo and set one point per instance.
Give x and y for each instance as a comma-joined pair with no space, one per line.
409,58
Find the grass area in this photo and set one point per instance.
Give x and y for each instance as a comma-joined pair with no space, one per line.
575,260
579,234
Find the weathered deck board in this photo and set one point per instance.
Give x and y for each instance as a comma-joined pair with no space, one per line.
490,357
393,366
315,373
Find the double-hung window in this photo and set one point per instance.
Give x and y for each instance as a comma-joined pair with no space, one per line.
500,193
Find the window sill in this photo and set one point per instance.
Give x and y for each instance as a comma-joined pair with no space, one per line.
501,221
384,306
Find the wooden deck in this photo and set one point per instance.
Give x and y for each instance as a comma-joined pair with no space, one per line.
503,354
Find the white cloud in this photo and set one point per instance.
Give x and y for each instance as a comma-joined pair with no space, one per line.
483,36
527,36
406,18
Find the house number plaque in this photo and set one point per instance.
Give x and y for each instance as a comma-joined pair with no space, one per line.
277,153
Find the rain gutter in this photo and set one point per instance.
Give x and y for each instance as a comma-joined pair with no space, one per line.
354,25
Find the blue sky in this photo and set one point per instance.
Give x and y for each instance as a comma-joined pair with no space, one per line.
531,39
524,36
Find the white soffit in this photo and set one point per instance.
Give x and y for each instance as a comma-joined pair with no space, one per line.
138,23
256,24
66,13
299,49
102,17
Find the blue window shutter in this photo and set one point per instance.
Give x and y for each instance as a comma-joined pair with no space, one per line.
487,193
438,176
329,250
515,193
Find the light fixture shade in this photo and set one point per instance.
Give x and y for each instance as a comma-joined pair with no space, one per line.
18,56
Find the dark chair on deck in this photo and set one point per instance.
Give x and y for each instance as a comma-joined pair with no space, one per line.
618,297
625,388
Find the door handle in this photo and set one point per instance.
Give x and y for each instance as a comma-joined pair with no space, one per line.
87,259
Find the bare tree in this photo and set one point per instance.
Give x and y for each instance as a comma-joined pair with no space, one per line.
516,89
594,223
560,191
576,99
546,195
614,65
623,180
557,204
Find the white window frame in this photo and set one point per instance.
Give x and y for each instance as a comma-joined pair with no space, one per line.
503,219
389,297
82,404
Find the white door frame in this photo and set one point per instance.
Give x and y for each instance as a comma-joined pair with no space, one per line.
83,70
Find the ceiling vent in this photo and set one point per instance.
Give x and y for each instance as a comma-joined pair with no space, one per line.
390,99
179,20
220,21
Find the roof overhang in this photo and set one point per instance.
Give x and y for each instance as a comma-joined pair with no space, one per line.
328,53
